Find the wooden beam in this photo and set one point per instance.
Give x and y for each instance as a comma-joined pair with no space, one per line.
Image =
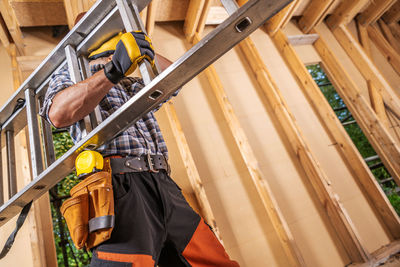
151,16
74,7
367,68
319,181
216,15
339,136
393,14
191,169
264,190
12,25
143,16
389,35
314,13
345,12
384,47
283,17
192,18
375,131
375,97
374,11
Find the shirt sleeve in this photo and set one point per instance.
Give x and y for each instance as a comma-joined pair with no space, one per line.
58,82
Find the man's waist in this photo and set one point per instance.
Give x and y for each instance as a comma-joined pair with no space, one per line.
152,163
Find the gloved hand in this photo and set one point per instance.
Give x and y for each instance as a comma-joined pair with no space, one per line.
131,49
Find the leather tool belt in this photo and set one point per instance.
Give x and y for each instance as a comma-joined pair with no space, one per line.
89,212
152,163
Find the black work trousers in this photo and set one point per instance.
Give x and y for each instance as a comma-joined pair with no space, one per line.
154,225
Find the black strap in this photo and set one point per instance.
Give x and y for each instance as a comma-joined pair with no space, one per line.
101,222
20,222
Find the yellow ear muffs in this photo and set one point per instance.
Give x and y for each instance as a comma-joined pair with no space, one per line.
88,162
107,48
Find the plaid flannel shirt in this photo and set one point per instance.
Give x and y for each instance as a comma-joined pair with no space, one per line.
142,138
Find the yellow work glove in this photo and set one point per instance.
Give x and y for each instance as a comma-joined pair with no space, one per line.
107,48
131,49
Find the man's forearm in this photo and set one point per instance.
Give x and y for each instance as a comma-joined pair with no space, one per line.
74,103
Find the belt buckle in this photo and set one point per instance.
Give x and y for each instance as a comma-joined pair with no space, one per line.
151,164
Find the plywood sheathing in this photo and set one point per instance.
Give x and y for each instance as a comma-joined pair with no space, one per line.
39,13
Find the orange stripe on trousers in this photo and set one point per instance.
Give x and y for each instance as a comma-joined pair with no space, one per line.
204,249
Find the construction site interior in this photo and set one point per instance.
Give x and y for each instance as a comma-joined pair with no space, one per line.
253,142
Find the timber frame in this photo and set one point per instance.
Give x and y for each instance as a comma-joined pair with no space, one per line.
377,22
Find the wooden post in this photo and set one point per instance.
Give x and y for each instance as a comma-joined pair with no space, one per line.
395,28
314,13
367,68
191,169
374,11
335,129
282,18
384,46
264,190
345,12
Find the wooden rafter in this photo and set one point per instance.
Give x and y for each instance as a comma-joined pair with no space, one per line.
74,7
395,28
393,14
203,17
193,174
4,34
374,11
283,17
376,99
341,222
151,16
314,13
345,12
264,190
192,18
384,46
370,72
377,133
335,129
12,25
389,35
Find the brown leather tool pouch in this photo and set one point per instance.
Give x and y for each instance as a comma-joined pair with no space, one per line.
89,212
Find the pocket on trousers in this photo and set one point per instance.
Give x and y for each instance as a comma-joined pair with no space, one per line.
76,213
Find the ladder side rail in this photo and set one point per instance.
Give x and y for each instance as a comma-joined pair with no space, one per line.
11,167
74,71
201,55
34,135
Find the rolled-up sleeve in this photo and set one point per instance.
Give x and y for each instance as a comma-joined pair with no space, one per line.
58,82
